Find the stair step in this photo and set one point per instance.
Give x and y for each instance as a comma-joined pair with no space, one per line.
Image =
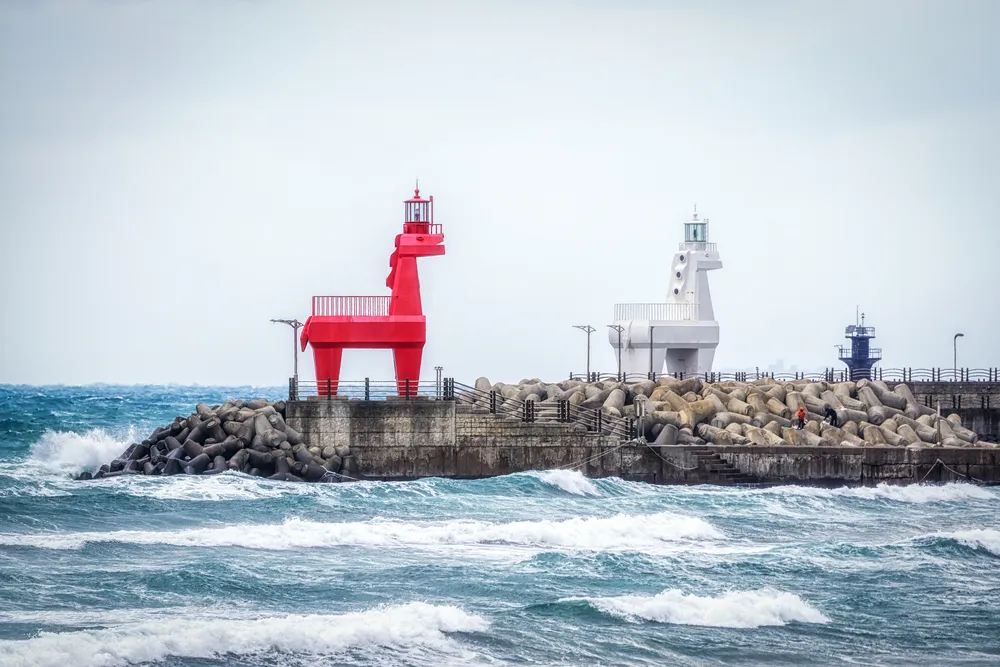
725,472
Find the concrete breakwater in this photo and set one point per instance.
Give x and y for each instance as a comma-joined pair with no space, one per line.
406,440
691,411
667,431
246,436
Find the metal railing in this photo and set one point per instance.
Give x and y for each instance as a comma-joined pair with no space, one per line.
828,374
698,246
350,306
671,312
938,374
560,411
362,390
859,331
430,228
845,353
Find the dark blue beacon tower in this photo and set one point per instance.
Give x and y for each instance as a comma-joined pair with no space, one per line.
860,356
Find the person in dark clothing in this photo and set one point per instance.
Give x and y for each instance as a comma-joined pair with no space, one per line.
831,414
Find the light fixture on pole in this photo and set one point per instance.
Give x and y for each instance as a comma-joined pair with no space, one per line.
954,349
588,330
619,328
295,325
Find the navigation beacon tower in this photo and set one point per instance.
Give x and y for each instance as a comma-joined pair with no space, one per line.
681,331
395,321
860,356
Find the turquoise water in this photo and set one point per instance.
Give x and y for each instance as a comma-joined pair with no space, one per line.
545,568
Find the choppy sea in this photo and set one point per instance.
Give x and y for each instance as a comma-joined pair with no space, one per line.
546,568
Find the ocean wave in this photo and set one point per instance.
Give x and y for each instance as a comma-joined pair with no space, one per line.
55,458
974,538
222,487
66,452
737,609
32,490
913,493
621,532
570,481
415,624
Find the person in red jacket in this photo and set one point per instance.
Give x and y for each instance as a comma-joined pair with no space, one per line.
801,414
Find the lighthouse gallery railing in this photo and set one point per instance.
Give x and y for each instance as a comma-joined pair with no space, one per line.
671,312
350,306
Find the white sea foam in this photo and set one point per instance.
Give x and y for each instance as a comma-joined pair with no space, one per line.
67,452
976,538
226,486
33,489
737,609
570,481
622,532
56,456
416,624
913,493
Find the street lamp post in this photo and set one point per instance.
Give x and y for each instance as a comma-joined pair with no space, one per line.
954,349
651,352
619,328
294,324
588,330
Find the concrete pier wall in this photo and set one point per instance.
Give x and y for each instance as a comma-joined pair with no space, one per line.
977,403
868,465
402,440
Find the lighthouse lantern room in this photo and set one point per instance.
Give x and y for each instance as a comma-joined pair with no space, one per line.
418,214
695,230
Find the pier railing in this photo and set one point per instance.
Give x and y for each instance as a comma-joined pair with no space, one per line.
829,375
362,390
528,411
350,306
561,411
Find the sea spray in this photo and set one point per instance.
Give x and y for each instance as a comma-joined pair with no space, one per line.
65,453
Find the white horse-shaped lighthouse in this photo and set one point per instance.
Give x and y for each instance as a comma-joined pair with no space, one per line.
683,330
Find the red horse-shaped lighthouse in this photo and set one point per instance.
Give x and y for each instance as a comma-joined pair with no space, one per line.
378,322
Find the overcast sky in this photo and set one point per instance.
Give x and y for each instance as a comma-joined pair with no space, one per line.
174,174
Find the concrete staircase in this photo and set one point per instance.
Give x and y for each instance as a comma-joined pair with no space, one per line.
724,471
